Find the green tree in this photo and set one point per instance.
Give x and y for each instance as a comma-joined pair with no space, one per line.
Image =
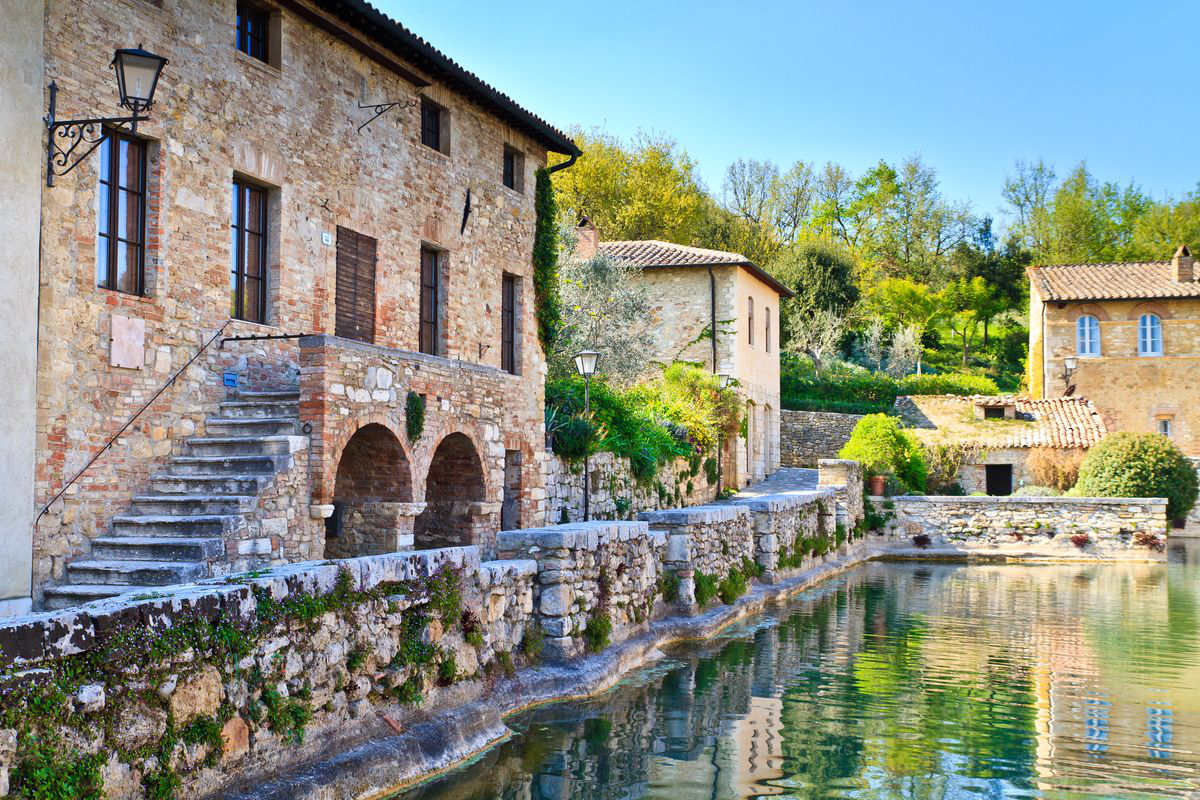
902,303
968,304
1139,465
822,274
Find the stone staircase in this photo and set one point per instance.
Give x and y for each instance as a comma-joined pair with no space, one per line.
177,530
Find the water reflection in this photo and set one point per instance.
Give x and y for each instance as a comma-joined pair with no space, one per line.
904,681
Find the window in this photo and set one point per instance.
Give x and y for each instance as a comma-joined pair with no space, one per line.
121,220
767,328
432,117
508,325
1165,426
248,276
514,169
993,412
1087,336
1150,342
750,318
253,30
354,301
430,330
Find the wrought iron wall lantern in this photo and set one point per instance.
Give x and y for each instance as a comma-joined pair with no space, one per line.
137,74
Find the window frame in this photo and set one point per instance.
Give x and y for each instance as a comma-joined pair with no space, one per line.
1151,324
750,319
767,327
110,185
1168,423
509,295
1087,336
245,39
430,343
512,169
238,268
433,110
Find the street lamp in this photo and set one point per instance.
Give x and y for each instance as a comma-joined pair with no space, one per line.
137,73
723,382
1070,364
585,365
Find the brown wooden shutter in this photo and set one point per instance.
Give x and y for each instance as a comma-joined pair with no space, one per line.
355,290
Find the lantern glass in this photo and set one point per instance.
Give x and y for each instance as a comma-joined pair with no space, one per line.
1071,362
723,380
585,362
137,77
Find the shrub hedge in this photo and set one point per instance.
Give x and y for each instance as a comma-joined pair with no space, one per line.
1139,465
884,448
853,390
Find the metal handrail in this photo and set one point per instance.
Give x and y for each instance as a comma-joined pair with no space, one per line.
112,439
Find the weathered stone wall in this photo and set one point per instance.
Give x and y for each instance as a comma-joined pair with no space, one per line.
261,672
615,493
789,525
707,539
806,437
589,572
219,114
845,477
1101,527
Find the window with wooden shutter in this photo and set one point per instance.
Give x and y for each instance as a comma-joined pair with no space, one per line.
508,325
355,298
430,332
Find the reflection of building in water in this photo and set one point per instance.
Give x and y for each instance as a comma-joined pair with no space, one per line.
753,749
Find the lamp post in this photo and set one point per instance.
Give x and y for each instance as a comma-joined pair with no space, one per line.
1070,364
585,364
723,382
137,72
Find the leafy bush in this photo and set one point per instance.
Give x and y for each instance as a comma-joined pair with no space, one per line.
706,588
884,448
1140,465
597,632
851,389
732,587
943,460
414,415
574,438
1054,467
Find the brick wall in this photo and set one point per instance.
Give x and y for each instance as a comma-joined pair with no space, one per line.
808,436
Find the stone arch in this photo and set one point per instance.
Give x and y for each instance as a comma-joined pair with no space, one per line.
372,496
456,508
1160,309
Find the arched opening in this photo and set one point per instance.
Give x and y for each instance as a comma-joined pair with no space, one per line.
372,497
455,508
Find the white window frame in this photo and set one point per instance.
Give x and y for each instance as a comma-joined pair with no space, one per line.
1150,335
1166,426
1087,336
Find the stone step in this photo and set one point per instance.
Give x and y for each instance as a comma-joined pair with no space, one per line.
239,445
251,426
136,573
186,525
157,548
192,504
73,594
289,395
258,409
223,465
242,485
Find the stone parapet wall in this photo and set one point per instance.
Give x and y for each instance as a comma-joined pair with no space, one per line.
806,437
1060,527
589,571
789,525
280,663
615,493
711,540
845,477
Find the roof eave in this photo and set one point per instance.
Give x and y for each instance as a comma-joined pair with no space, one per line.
750,266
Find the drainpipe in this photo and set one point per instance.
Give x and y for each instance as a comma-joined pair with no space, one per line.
570,162
712,312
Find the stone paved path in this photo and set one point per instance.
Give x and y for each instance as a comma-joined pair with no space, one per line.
788,479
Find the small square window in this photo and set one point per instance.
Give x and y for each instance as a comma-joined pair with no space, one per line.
253,30
514,169
993,412
433,126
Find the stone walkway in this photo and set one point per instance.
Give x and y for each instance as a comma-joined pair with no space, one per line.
788,479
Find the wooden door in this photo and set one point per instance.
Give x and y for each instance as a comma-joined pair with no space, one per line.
355,290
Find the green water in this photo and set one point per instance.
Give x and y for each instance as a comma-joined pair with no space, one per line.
896,681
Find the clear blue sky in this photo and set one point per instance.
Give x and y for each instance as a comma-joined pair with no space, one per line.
971,87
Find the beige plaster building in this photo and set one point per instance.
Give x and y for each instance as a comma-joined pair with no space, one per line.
695,292
1000,432
272,282
1126,335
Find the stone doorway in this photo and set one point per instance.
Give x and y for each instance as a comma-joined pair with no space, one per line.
456,508
372,497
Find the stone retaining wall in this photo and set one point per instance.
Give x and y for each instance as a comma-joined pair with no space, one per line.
845,477
711,540
783,522
808,436
615,493
1061,527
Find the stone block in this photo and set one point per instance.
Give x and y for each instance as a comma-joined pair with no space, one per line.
198,695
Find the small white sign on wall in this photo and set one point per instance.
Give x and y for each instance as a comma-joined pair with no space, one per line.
326,238
128,343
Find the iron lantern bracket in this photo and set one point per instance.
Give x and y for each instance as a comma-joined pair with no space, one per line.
67,136
382,108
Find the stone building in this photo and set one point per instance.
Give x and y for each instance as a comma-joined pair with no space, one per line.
694,292
1126,335
318,247
998,433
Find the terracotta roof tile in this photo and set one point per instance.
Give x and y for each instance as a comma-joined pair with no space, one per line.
1065,422
1129,280
655,254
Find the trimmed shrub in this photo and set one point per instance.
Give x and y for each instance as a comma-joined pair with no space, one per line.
884,448
943,461
1037,491
1054,466
1140,465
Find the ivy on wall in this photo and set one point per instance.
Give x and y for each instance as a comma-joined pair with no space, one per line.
545,261
414,415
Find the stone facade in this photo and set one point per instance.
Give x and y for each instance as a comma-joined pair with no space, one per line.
615,493
1055,527
806,437
220,114
845,477
1133,393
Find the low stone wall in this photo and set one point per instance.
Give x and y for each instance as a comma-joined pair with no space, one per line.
808,436
787,526
1060,527
615,494
845,477
711,540
208,682
589,572
1192,526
